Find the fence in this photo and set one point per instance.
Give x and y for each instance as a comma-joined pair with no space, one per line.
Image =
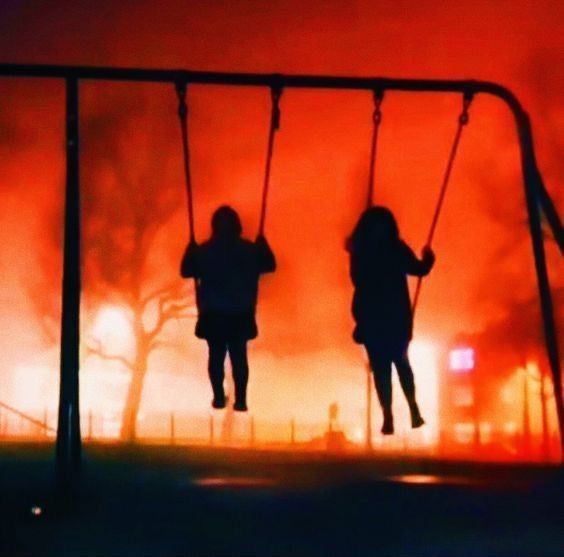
228,429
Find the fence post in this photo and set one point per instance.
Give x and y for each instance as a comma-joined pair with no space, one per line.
90,425
172,429
293,431
252,432
212,433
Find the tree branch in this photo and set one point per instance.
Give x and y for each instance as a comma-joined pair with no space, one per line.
170,291
98,351
156,344
173,311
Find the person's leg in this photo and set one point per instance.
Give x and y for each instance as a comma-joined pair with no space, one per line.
216,362
382,370
407,383
240,365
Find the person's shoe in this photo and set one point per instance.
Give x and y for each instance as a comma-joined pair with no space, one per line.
417,420
388,425
240,406
219,402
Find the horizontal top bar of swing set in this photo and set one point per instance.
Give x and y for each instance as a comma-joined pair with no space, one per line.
258,79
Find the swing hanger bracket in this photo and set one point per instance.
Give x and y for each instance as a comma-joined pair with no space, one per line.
378,95
467,99
181,90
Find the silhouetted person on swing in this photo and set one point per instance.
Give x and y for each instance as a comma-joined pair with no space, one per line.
227,269
379,264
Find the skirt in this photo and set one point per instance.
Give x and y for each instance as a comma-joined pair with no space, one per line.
226,326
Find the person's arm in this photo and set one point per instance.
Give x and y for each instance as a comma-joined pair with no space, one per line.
265,256
355,270
189,267
415,266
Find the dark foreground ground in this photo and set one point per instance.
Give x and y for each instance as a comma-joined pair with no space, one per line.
193,501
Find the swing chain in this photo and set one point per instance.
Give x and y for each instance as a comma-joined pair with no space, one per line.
464,117
181,91
276,93
378,98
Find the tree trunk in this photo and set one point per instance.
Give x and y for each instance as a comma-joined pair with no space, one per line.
132,402
128,431
135,390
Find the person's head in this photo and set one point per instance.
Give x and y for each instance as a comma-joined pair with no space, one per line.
376,227
226,223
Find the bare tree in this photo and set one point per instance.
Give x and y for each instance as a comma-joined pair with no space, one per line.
172,302
131,193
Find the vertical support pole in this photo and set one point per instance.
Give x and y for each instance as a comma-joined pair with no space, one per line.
368,409
68,430
532,197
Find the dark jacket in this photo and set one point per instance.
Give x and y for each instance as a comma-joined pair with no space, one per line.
381,305
227,273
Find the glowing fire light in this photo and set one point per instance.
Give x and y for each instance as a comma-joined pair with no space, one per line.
462,359
112,327
423,356
235,482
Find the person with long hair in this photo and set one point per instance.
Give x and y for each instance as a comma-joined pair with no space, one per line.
226,269
379,264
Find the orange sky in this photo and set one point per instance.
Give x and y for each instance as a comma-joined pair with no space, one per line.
484,260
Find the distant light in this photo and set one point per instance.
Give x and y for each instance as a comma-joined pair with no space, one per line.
424,356
463,396
532,368
358,434
417,479
461,359
235,481
442,480
485,432
464,432
112,326
36,511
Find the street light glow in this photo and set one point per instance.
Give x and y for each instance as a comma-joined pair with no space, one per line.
462,359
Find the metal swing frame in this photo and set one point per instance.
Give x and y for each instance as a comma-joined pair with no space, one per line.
537,201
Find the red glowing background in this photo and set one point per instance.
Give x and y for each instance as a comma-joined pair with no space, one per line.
131,173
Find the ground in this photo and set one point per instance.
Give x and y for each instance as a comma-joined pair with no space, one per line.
171,501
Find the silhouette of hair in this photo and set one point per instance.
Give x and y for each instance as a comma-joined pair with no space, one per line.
377,227
226,223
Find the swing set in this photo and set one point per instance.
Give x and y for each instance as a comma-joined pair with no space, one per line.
538,201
